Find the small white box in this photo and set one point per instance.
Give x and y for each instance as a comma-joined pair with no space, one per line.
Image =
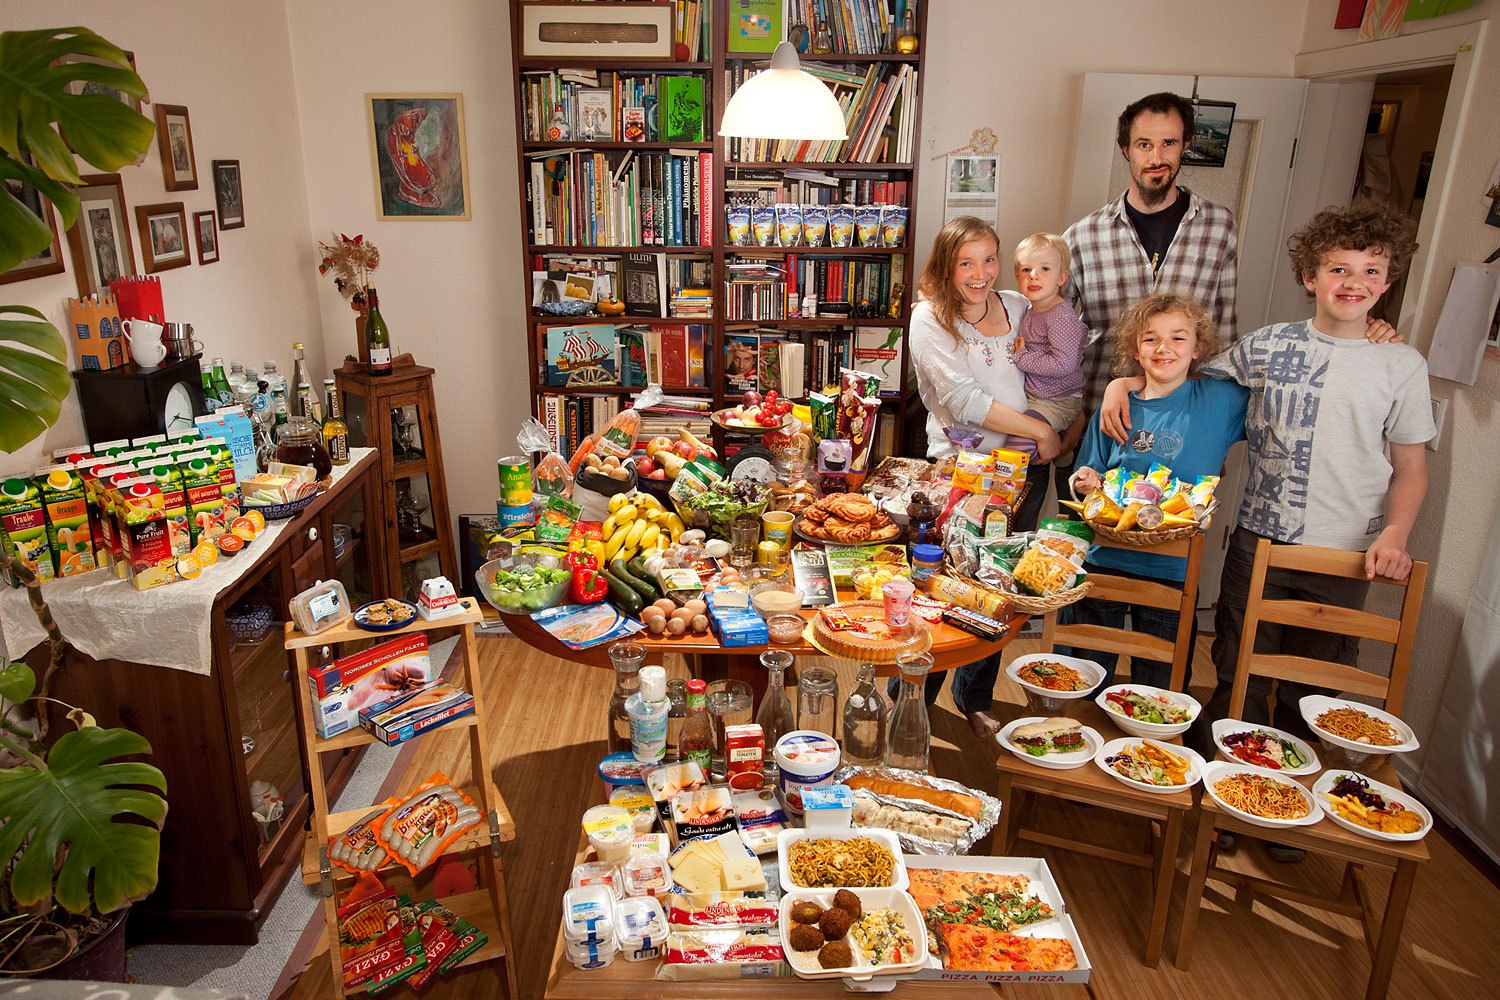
827,807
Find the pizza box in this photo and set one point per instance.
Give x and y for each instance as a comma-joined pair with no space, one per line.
1045,887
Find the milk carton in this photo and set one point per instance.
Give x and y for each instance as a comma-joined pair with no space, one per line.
23,528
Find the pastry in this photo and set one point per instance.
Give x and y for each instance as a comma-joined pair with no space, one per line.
857,630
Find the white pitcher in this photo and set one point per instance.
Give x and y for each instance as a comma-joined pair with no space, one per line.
146,345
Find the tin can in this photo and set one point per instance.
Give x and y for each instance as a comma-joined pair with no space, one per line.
513,516
515,481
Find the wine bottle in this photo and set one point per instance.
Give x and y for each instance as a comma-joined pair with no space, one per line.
377,336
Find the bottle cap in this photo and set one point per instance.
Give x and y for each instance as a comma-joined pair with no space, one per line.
653,683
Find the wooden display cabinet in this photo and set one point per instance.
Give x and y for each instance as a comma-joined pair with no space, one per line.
215,736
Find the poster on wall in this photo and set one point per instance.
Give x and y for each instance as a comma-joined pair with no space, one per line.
973,186
1212,123
421,164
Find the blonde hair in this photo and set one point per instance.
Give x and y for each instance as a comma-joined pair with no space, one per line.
936,280
1045,241
1132,324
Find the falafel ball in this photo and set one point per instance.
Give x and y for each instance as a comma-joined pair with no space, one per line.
835,923
806,912
849,902
805,937
835,955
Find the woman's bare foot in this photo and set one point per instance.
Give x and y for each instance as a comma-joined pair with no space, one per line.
984,724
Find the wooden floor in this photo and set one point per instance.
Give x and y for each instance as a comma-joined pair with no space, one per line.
549,725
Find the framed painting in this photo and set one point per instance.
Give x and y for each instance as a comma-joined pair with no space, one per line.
1212,123
100,240
229,194
207,236
164,238
421,163
90,87
49,261
174,140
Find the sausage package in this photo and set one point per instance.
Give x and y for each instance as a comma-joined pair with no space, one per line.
418,827
357,849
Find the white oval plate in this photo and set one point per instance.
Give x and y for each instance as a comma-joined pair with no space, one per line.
1147,729
1215,770
1331,777
1091,671
1092,741
1223,728
1315,705
1195,764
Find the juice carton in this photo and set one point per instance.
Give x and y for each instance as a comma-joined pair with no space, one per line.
23,528
73,455
169,480
109,527
147,538
101,530
228,482
67,519
207,517
149,441
103,447
192,436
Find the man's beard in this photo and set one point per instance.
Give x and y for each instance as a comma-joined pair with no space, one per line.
1152,195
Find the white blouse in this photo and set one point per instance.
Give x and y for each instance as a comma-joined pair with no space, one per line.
958,381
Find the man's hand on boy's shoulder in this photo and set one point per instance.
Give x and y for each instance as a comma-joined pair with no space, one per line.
1378,331
1388,556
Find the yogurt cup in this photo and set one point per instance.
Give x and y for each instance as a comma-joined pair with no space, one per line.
805,758
610,831
897,596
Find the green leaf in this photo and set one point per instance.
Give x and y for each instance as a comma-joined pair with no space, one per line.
74,804
16,682
33,377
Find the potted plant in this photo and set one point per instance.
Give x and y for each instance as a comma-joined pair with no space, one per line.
80,826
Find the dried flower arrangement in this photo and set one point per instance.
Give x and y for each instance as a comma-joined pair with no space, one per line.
352,260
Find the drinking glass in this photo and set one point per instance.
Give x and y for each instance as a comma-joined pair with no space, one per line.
744,536
817,700
729,704
626,657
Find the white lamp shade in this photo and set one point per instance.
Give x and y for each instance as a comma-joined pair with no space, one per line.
784,102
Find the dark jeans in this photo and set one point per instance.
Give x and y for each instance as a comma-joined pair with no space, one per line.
1152,621
1229,625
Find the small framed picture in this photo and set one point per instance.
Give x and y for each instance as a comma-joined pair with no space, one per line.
207,235
174,140
421,164
164,238
1212,123
91,87
229,194
100,240
49,261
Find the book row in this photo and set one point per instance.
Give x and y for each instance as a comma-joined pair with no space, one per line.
577,105
604,355
879,112
579,198
794,362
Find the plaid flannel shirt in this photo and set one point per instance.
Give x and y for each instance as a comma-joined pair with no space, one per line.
1111,270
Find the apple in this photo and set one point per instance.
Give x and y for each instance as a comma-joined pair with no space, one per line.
656,444
657,474
751,398
685,450
645,466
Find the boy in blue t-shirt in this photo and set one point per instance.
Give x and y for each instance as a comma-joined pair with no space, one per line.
1185,424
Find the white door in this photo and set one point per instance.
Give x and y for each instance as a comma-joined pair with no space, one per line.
1255,184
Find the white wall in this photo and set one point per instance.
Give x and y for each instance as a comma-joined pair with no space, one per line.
227,64
451,291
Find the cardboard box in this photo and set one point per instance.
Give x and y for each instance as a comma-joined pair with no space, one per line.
97,337
341,688
412,713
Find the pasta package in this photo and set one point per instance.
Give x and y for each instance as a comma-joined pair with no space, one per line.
416,829
1043,572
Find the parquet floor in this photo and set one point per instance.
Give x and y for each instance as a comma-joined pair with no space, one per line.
549,733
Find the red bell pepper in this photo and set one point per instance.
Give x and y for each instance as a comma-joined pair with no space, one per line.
589,586
581,559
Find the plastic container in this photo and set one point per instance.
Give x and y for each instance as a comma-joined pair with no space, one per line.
636,800
926,560
609,829
827,807
645,875
319,608
591,955
805,758
598,873
642,928
648,709
589,915
620,769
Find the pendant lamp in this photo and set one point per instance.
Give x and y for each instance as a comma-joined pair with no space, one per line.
784,102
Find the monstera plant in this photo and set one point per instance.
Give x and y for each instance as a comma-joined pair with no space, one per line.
80,827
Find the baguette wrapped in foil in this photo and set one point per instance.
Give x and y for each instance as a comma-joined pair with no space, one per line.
892,812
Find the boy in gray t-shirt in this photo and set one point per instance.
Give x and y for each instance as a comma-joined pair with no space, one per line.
1337,428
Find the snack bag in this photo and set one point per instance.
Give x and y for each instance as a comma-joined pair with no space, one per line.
814,225
1069,539
551,476
356,849
788,223
417,828
618,436
1044,573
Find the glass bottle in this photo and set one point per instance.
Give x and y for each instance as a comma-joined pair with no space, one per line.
909,735
676,716
818,700
278,408
335,431
377,336
263,422
222,392
822,37
775,716
299,379
210,394
864,721
627,658
697,741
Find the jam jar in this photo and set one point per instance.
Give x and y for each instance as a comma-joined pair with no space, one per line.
299,442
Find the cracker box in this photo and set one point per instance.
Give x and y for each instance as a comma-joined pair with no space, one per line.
340,689
23,528
67,510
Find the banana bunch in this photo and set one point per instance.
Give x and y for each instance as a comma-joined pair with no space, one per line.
638,524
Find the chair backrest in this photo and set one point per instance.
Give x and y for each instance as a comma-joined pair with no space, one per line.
1154,595
1400,632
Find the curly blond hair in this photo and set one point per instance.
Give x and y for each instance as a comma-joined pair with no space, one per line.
1133,321
936,280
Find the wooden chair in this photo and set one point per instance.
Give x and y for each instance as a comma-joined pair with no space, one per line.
1382,935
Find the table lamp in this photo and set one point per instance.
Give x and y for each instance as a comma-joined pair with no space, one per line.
783,102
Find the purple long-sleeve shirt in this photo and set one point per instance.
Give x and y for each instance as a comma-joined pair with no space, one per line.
1053,354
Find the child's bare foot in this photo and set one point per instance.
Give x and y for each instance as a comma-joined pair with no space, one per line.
984,724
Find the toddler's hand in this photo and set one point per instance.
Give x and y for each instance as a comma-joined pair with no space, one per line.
1086,481
1018,345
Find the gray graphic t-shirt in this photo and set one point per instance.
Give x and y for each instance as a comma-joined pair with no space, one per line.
1321,412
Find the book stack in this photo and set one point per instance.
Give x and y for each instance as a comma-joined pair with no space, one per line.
692,303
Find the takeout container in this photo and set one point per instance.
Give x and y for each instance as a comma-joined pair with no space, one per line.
885,838
1040,699
1218,769
805,963
1354,753
1136,727
1194,773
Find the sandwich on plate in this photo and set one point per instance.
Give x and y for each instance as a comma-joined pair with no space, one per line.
1057,735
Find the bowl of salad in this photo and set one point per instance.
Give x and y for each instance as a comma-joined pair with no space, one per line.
530,581
713,508
1141,710
1263,746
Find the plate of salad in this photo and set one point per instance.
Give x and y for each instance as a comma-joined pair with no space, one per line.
1161,768
1263,746
1148,711
528,582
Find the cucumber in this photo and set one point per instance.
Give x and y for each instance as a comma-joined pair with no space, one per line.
618,567
637,567
623,594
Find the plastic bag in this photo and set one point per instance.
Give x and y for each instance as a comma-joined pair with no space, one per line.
619,435
357,849
419,826
551,477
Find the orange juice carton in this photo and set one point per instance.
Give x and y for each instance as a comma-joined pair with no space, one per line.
169,480
67,519
206,510
109,476
228,483
100,530
73,455
23,529
147,539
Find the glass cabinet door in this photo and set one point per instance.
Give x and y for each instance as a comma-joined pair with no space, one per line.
350,523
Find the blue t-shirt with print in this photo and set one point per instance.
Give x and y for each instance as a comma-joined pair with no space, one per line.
1188,431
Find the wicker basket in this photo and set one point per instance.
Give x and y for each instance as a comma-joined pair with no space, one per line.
1143,539
1029,603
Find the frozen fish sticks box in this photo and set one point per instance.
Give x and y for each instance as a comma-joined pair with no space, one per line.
341,689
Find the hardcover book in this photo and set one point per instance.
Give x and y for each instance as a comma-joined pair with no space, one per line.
754,25
682,109
741,362
581,355
596,115
877,349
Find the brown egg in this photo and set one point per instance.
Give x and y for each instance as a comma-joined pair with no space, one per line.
676,626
